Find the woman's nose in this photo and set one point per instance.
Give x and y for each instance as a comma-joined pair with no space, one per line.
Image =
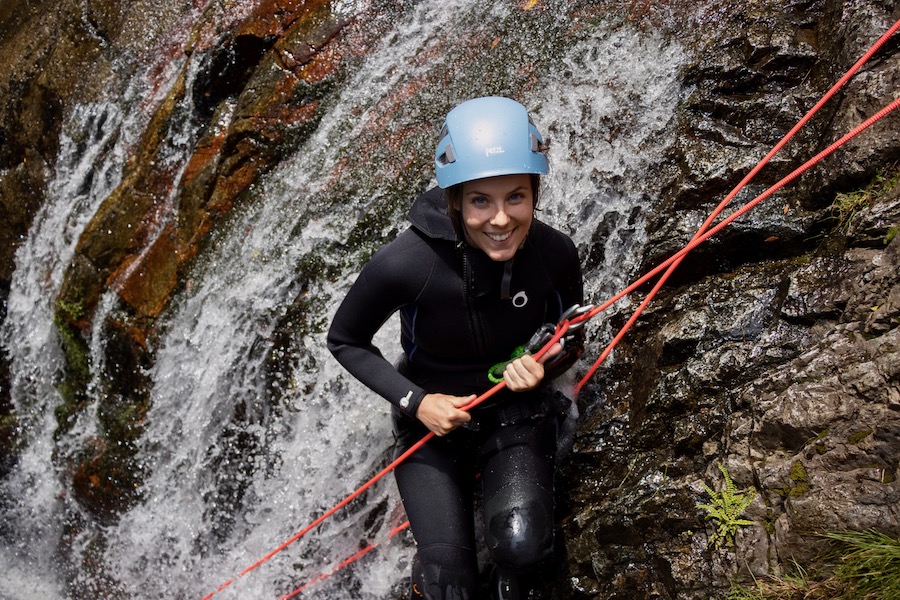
500,217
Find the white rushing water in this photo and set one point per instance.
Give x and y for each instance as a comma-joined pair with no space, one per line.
85,174
294,460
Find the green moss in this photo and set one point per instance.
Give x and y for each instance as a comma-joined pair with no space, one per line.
799,480
798,484
891,234
104,469
798,472
77,371
859,436
769,523
798,490
71,310
818,442
847,205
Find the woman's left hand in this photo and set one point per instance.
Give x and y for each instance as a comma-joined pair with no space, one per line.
525,373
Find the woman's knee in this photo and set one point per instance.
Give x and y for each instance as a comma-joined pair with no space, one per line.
520,535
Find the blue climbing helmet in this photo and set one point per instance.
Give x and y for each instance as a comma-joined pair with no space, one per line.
486,137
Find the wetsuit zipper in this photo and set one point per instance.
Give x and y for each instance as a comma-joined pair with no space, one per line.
470,296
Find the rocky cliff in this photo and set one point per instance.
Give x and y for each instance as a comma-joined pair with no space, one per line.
772,356
775,354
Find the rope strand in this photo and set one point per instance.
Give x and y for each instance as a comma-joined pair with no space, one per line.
676,258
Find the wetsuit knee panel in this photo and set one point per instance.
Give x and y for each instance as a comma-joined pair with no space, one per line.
520,535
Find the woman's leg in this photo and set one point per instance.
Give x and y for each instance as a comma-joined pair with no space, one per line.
518,499
437,486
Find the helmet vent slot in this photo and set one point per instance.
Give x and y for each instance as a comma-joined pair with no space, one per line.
447,156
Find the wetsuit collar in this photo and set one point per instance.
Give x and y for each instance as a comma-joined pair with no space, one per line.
428,214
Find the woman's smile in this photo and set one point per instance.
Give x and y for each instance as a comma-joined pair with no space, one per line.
500,237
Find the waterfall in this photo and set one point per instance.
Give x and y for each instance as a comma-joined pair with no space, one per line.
230,474
85,174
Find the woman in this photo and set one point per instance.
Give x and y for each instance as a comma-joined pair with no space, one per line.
473,278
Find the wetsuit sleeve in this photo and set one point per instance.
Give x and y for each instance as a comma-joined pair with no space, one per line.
385,285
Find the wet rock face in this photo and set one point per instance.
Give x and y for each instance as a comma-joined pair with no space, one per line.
56,54
784,371
773,351
751,84
246,103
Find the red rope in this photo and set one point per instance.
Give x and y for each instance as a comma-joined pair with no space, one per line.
673,262
698,239
703,234
348,561
380,475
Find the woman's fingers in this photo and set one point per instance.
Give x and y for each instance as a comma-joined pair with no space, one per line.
523,374
441,413
551,352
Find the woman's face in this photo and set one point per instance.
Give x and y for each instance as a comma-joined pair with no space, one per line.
497,213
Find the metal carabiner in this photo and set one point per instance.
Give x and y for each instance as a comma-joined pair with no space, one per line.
540,338
546,331
575,311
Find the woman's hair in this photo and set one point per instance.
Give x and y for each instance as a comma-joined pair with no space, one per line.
453,197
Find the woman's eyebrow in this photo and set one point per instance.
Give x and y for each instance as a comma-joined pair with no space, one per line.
519,189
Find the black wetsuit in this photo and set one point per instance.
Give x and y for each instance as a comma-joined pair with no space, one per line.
462,313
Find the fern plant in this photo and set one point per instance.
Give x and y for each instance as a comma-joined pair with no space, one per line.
726,508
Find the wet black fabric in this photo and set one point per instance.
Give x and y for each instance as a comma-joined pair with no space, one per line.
513,465
454,323
461,313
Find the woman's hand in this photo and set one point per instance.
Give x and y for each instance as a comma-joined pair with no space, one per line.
525,373
441,413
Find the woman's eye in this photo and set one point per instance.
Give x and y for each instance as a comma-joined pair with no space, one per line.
479,200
